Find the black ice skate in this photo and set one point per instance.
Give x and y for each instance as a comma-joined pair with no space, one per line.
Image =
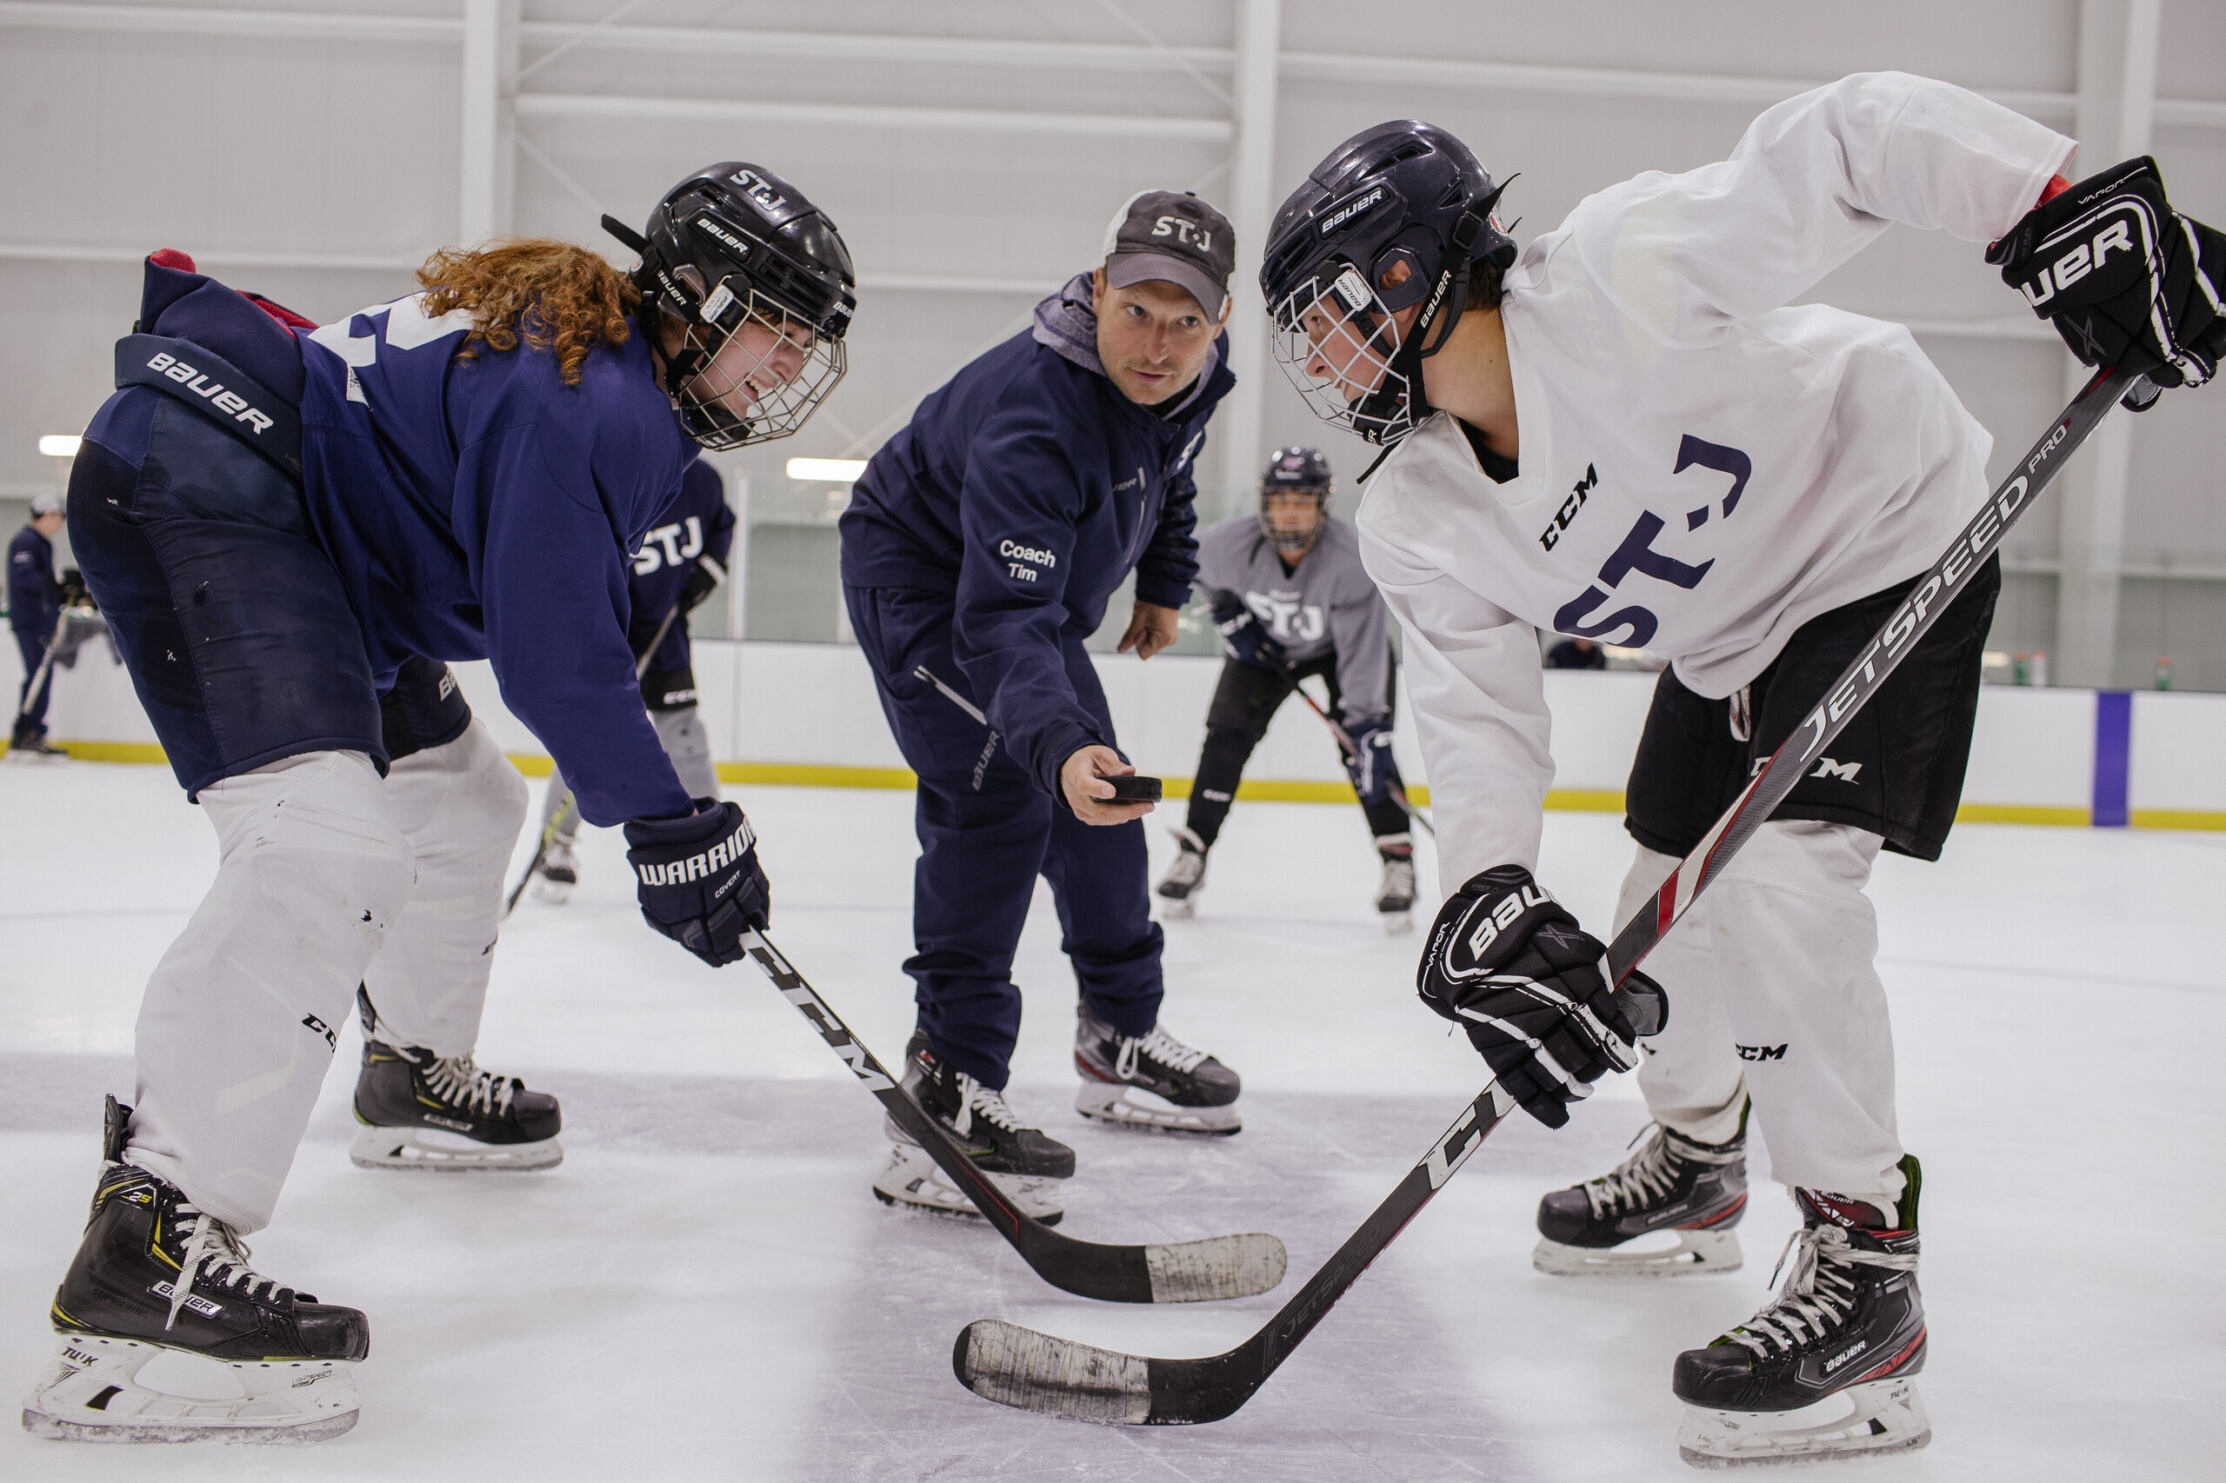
1153,1082
34,747
557,874
1024,1162
156,1273
1395,894
1695,1192
423,1111
1829,1367
1185,878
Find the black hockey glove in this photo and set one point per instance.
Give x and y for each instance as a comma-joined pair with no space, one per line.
698,879
703,580
2126,280
1244,640
1370,765
1509,965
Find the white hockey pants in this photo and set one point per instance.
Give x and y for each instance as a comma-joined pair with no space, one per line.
685,743
327,877
1774,993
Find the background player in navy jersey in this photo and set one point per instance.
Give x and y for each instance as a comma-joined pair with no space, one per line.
1291,600
472,467
682,561
978,552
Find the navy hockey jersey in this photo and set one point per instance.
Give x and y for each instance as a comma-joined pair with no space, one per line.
1027,487
699,522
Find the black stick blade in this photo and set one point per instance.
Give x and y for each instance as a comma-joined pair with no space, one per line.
1019,1367
1216,1267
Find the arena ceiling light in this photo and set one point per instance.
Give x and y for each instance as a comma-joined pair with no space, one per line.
59,445
826,470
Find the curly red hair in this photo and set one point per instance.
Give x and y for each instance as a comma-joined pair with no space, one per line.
551,295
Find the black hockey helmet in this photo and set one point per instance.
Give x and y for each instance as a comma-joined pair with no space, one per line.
732,244
1296,471
1396,216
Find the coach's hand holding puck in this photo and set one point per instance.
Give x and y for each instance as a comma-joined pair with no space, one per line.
1510,965
1086,779
698,880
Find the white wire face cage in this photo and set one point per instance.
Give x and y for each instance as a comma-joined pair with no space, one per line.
1338,344
764,371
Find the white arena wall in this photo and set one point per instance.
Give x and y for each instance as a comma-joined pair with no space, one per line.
806,714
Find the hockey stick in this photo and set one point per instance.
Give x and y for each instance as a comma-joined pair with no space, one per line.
1182,1272
566,808
1345,745
1019,1367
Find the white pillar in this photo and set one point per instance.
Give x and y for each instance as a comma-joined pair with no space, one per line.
2117,108
488,137
1236,424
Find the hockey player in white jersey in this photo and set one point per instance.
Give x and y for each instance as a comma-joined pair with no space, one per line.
1624,433
1291,600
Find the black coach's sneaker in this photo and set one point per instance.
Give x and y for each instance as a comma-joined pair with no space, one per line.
1022,1161
1829,1367
1696,1192
423,1111
1152,1081
154,1272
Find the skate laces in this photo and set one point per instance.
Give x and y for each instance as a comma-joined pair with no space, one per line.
987,1103
1161,1047
1819,1290
211,1244
1644,1176
456,1080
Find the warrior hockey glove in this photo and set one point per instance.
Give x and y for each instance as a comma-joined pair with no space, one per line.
2126,280
698,879
1370,764
1244,640
703,580
1512,968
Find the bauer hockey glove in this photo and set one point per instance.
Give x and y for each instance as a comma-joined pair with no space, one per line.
1370,765
2126,280
698,879
703,580
1508,964
1244,640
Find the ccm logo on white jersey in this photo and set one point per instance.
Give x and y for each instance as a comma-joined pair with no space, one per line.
696,867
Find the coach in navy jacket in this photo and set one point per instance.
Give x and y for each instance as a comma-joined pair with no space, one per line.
982,544
34,608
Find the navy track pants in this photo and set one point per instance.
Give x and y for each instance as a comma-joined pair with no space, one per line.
986,832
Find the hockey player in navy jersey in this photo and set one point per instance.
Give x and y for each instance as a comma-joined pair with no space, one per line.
978,552
1291,601
34,615
276,525
681,562
1623,433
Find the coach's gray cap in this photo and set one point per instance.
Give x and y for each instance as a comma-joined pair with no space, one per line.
1172,237
45,503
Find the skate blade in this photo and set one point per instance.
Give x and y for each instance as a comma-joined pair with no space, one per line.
913,1181
1885,1416
90,1393
451,1153
1397,923
1119,1105
1696,1253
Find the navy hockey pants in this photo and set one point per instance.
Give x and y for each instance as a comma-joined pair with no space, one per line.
228,614
986,832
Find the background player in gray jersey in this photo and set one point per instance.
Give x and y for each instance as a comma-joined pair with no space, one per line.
1291,600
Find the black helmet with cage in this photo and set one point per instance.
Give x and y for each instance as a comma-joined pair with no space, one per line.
1398,216
1300,471
732,245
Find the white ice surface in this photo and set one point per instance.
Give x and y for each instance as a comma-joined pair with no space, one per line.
706,1289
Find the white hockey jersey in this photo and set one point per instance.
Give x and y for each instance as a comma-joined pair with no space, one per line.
1702,469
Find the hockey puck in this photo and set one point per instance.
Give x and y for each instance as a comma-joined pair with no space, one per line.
1135,788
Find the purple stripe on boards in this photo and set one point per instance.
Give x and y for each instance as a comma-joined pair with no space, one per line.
2113,748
